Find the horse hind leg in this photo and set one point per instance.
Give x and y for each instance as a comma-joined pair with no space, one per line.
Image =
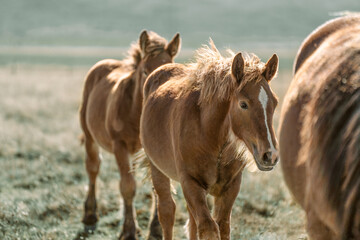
316,229
155,230
127,190
92,167
166,206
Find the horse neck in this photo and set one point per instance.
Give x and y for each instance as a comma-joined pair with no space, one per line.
138,90
215,122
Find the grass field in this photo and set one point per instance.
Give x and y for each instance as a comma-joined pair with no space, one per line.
46,48
43,180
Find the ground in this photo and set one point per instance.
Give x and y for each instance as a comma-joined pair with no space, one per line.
43,181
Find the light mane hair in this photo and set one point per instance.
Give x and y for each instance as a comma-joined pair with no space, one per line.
156,44
211,74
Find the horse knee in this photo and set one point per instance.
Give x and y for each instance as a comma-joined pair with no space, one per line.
208,230
128,187
167,208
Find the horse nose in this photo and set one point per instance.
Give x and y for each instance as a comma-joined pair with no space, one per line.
267,158
270,158
275,157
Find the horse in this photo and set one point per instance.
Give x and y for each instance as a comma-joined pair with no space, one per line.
201,124
110,117
319,132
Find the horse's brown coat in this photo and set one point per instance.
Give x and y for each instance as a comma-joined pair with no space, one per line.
110,116
320,130
194,131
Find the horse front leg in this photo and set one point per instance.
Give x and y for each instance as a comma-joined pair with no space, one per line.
191,227
223,207
127,190
195,196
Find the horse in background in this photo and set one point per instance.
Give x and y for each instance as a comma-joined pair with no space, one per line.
110,117
201,124
320,130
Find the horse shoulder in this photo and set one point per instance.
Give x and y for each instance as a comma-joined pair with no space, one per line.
119,104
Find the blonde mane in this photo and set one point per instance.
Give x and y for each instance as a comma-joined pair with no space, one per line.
155,45
211,73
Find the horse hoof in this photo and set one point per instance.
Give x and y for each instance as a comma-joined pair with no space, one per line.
90,228
155,234
123,237
152,237
90,220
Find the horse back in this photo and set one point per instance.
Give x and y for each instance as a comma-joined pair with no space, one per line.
162,75
314,40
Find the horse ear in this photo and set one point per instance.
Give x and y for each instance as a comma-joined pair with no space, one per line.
174,45
237,67
271,68
143,41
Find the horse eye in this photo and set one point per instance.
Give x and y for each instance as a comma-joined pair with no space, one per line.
145,73
243,105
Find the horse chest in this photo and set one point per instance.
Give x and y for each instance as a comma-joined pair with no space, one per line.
225,177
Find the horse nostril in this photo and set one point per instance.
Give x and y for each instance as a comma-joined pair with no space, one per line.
267,158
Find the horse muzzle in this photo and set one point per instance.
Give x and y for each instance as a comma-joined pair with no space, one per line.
267,160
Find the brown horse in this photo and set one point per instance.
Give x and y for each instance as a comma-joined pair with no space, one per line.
320,130
198,124
110,116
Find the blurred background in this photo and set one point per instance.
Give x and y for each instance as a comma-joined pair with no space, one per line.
80,32
46,49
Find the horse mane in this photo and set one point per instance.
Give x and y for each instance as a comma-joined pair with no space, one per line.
155,45
211,73
331,138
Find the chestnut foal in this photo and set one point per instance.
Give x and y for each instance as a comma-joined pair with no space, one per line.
110,116
201,124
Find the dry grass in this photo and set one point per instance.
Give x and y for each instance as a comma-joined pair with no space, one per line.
43,179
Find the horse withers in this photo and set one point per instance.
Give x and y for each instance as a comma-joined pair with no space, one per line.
110,116
201,124
320,130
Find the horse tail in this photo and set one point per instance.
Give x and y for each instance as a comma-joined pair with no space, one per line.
81,138
140,160
349,216
331,143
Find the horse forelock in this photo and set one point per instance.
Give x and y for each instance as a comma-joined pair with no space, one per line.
331,138
211,73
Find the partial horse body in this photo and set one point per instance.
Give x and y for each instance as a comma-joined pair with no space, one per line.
201,124
320,130
110,116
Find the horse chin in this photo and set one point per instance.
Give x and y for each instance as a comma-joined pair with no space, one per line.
263,168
